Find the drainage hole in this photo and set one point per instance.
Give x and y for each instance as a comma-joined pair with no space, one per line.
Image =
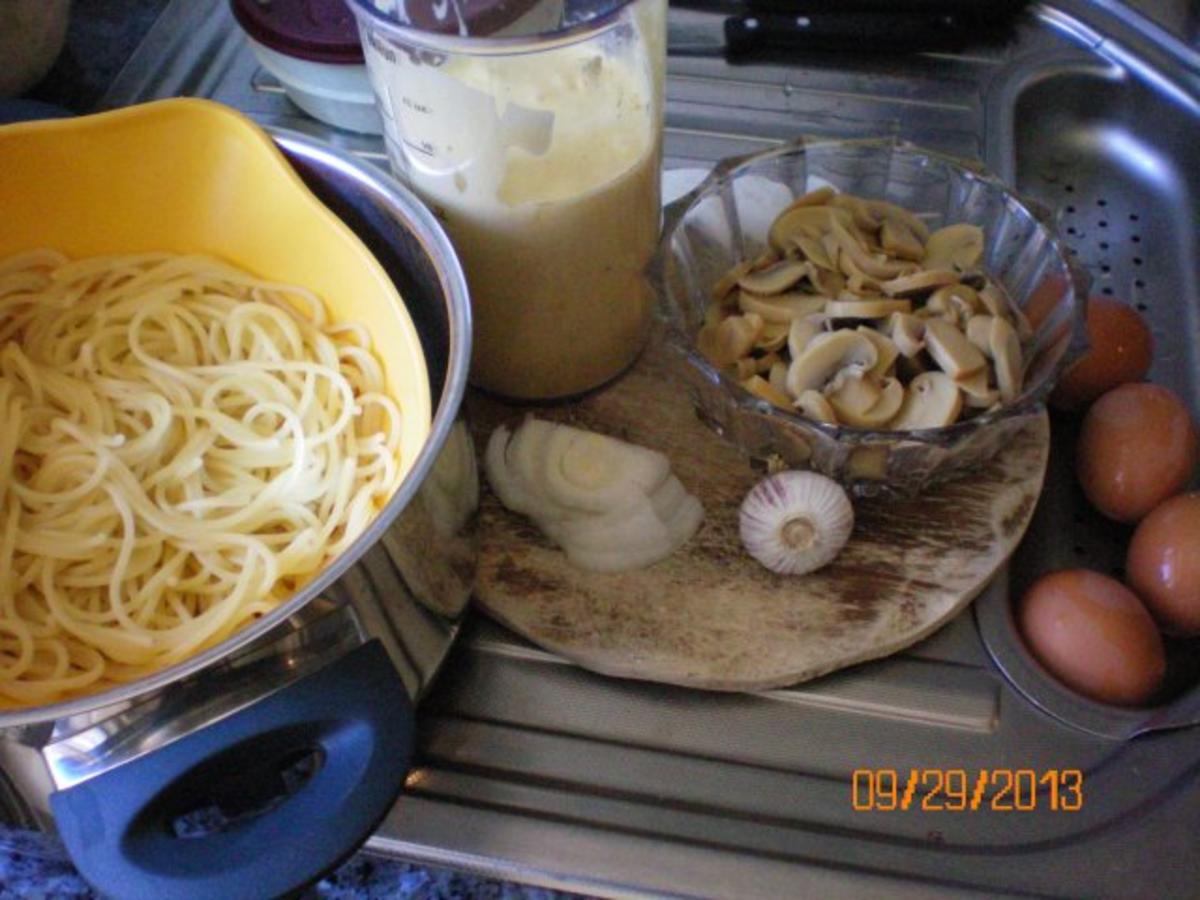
1137,260
1102,202
1071,230
1070,209
1103,224
1133,217
1142,307
1105,268
1139,283
1107,290
1104,245
1137,238
1070,188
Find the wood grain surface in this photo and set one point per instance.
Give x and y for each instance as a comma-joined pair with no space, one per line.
710,616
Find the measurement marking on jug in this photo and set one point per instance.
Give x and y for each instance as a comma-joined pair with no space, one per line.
954,790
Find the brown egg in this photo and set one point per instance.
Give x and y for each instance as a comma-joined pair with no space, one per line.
1120,352
1094,635
1137,448
1163,565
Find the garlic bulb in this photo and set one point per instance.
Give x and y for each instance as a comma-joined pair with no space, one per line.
796,522
609,504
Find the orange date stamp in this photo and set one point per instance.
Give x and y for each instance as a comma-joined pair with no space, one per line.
957,790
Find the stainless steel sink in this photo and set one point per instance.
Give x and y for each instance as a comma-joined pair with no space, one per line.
534,770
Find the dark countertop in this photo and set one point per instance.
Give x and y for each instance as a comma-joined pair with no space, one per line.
101,37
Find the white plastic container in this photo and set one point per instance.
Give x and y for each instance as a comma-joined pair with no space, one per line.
312,48
340,95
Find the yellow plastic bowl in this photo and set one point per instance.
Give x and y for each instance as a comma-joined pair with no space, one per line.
192,176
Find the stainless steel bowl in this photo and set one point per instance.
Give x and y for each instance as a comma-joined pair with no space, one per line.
242,742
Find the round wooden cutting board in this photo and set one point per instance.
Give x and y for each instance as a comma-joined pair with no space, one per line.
710,616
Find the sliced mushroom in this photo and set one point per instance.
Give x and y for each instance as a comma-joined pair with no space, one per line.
848,399
857,281
884,347
818,197
763,389
775,278
976,391
828,282
950,349
898,240
726,343
863,216
827,354
1006,355
778,376
782,307
866,309
768,362
768,257
773,336
813,405
727,282
979,332
932,400
918,282
801,332
745,367
939,308
954,247
851,393
993,301
964,300
863,260
812,221
907,333
887,210
813,251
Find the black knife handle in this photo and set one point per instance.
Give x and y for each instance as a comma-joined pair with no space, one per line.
755,32
963,9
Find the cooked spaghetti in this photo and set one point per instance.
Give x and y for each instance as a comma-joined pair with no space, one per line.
182,446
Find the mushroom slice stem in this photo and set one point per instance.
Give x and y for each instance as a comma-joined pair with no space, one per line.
979,332
825,355
885,348
950,349
850,401
954,247
907,333
801,332
932,400
813,405
1005,348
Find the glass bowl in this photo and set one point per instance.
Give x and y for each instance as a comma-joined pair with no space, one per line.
725,220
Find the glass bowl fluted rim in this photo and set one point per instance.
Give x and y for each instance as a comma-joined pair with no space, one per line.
1029,401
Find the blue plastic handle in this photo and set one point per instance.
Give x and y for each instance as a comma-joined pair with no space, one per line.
353,714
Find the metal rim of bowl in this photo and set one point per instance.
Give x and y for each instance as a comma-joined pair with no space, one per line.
434,241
